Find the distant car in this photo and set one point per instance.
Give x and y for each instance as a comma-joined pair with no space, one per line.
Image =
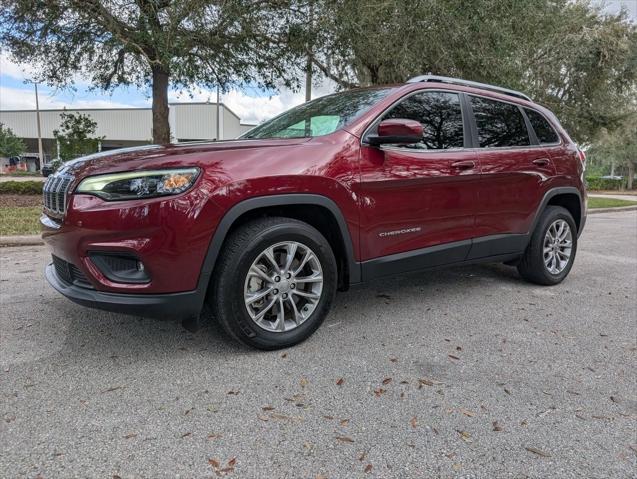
343,189
47,170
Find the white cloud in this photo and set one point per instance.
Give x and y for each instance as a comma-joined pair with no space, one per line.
24,99
254,109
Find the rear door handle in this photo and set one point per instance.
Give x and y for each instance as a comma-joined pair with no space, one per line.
464,165
541,162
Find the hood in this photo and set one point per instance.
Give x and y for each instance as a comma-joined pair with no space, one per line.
164,156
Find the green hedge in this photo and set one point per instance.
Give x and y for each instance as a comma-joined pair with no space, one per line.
596,183
21,187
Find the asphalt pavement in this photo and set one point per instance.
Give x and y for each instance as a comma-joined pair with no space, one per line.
463,373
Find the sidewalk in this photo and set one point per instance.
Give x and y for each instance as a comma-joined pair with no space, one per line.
614,196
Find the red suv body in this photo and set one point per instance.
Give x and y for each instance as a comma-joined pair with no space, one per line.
471,186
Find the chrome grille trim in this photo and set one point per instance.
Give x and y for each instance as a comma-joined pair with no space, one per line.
55,193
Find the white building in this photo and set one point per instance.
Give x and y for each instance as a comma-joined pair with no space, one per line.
123,127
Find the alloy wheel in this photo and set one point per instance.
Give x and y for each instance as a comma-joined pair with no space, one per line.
558,244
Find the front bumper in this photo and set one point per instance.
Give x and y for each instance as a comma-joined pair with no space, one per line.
183,305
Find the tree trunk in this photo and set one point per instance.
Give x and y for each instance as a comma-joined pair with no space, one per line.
631,174
161,127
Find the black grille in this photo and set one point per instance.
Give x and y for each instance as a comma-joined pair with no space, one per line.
54,193
70,273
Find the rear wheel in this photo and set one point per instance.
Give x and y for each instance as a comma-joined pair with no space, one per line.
551,251
275,282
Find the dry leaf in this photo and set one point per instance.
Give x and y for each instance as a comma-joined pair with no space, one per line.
130,436
267,408
466,412
404,382
233,392
368,469
386,381
539,452
496,426
232,462
329,418
414,422
393,359
284,355
214,436
424,382
344,439
507,391
344,422
340,382
186,434
466,437
214,463
362,456
379,391
454,357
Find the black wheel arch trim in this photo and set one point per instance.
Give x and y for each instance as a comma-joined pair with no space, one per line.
553,192
258,202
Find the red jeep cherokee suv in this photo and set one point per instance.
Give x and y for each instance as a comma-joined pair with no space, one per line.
340,190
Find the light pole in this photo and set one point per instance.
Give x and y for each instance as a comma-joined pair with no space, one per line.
37,114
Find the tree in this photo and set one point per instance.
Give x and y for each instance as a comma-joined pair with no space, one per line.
75,135
10,144
565,53
153,43
619,148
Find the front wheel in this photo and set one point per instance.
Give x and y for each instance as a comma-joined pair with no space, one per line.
275,282
551,251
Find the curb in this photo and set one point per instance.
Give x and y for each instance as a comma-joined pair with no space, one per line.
611,210
30,240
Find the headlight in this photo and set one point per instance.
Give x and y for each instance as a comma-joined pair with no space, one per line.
139,184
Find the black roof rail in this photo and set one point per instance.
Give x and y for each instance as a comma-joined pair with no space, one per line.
460,81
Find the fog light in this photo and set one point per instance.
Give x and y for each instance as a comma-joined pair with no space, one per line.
120,267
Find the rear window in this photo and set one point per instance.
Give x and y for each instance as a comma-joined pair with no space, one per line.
543,130
499,124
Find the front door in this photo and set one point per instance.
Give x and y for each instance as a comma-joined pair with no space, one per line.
417,201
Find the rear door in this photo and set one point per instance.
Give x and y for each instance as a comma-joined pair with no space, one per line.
514,169
423,195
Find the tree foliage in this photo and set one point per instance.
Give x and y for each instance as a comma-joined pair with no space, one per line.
564,53
10,144
619,148
153,43
76,135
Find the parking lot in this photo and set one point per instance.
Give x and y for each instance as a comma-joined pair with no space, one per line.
467,372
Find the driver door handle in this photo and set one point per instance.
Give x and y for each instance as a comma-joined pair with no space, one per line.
464,165
541,162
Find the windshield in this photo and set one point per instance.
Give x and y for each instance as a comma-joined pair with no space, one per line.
319,117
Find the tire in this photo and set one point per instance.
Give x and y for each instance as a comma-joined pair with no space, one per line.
532,266
243,253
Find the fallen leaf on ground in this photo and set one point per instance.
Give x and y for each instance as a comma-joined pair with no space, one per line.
361,456
304,382
214,463
232,462
231,392
284,355
496,426
114,388
267,408
368,469
130,436
537,451
454,357
344,439
386,380
378,392
340,381
393,359
466,437
414,422
186,434
466,412
344,422
329,418
424,382
214,436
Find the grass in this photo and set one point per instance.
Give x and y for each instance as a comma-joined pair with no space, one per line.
608,203
16,220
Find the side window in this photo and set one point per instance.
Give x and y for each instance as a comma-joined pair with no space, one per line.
543,130
440,116
499,124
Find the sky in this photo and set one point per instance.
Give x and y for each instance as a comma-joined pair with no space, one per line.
251,104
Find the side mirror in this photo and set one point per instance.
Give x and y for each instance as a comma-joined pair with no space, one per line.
397,130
